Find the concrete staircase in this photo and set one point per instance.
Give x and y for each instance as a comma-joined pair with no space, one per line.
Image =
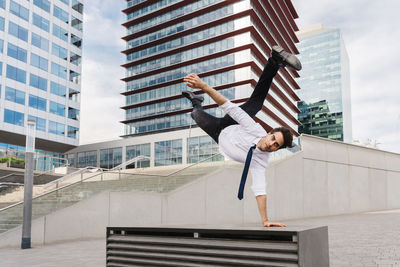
11,217
11,176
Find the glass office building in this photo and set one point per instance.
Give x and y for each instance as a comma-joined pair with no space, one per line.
227,43
325,82
40,72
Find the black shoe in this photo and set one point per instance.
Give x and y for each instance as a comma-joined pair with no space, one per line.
283,58
192,97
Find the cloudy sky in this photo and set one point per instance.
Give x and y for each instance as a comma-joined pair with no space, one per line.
370,30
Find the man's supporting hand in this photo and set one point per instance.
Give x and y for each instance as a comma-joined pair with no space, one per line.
262,208
273,224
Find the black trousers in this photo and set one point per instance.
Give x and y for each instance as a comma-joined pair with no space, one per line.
213,125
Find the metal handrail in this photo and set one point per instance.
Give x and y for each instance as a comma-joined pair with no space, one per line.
6,183
65,177
120,166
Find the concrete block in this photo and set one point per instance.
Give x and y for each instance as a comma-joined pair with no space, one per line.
393,190
13,237
359,189
377,189
271,196
314,148
358,156
187,205
377,158
222,204
135,209
250,208
338,188
86,219
315,188
288,200
392,161
337,152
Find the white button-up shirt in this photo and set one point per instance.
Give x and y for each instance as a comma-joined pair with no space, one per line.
236,140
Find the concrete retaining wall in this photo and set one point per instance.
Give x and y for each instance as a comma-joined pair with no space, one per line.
325,178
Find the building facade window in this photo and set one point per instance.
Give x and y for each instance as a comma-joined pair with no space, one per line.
74,77
60,33
74,95
76,41
85,159
75,58
56,108
16,74
37,102
59,51
2,24
16,52
15,95
38,82
110,158
73,113
168,152
3,4
154,20
40,42
13,117
135,151
58,89
73,132
148,8
77,6
179,73
65,2
18,31
41,22
202,147
1,45
43,4
19,10
60,14
170,30
76,23
58,70
71,160
39,62
56,128
40,123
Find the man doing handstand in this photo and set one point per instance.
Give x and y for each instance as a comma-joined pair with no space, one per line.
236,132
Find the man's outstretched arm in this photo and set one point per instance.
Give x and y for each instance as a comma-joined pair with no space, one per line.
194,81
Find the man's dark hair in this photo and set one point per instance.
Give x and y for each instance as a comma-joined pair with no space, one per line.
287,136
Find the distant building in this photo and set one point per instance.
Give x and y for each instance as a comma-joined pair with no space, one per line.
325,84
40,73
227,43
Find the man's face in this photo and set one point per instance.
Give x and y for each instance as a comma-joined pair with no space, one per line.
271,142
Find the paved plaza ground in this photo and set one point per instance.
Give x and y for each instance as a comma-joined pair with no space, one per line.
365,239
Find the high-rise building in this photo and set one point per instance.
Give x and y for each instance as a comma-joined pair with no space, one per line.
325,84
227,43
40,72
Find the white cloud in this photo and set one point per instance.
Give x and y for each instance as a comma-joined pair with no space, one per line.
101,71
